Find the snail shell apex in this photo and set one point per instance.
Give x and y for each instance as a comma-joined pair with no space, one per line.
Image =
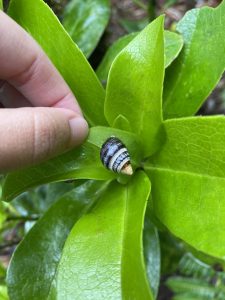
115,157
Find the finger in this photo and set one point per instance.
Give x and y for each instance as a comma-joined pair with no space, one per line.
11,98
32,135
29,70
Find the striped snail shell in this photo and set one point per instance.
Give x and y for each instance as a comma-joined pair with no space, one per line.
115,157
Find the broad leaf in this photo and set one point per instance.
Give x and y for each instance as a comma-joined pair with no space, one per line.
39,20
194,145
35,261
152,255
198,69
192,207
85,21
188,182
173,45
135,85
103,255
80,163
103,69
1,5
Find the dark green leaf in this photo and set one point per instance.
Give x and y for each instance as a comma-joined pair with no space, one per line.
198,69
85,21
34,263
135,85
152,255
173,45
80,163
39,20
35,202
133,26
103,255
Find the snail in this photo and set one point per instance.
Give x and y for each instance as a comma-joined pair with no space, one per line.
115,157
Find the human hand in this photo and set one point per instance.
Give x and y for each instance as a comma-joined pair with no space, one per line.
39,116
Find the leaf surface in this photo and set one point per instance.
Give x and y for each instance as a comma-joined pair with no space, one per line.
39,20
1,5
85,21
152,255
103,255
35,261
80,163
173,45
135,85
195,73
188,182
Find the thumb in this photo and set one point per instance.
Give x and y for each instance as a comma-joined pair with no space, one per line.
31,135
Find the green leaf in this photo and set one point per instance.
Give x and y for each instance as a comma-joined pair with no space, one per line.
85,21
135,85
39,20
103,69
103,255
122,123
35,261
133,26
152,255
198,69
3,293
1,5
190,288
188,182
173,45
80,163
36,201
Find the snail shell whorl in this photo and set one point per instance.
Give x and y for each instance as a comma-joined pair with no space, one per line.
115,157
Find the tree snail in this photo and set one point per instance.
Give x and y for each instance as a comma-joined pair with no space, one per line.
115,157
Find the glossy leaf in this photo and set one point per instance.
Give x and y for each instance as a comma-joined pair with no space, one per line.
85,21
80,163
35,261
103,69
188,182
152,255
194,144
36,201
192,207
39,20
102,257
135,85
198,69
173,45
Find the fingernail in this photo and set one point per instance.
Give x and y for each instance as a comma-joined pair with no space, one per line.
79,130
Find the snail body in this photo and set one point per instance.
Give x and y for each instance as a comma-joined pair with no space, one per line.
115,157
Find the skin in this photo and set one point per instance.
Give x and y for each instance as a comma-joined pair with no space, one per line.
39,116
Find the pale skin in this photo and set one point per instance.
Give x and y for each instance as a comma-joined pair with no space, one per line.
39,116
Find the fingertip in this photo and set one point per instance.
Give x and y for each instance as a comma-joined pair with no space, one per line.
79,130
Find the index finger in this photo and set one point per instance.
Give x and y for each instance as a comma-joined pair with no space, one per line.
25,66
